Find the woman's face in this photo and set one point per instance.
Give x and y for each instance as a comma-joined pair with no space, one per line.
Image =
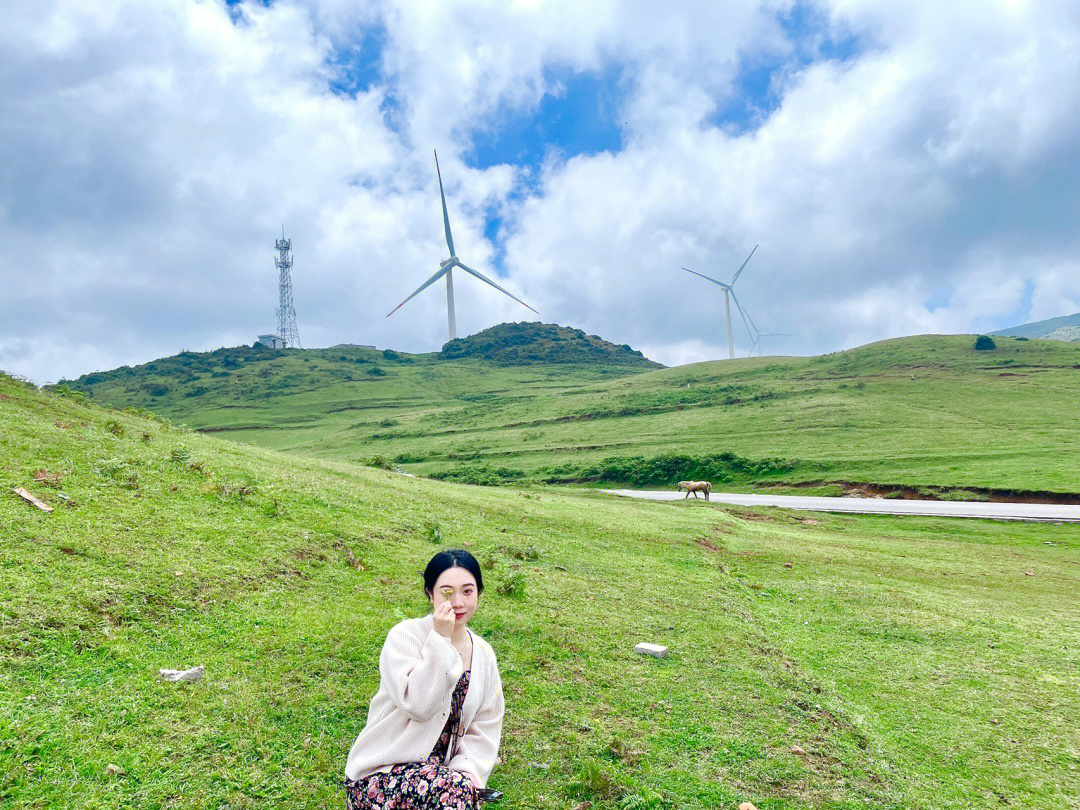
458,587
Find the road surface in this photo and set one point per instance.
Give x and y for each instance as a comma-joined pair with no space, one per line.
993,510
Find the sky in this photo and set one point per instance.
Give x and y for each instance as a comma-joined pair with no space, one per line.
903,169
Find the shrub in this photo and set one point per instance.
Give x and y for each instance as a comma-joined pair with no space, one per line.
645,801
526,554
68,392
381,462
114,427
375,371
513,585
433,532
668,468
984,343
595,784
479,474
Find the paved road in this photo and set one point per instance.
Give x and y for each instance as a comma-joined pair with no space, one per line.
994,510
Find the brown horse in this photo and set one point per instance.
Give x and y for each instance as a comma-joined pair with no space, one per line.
695,487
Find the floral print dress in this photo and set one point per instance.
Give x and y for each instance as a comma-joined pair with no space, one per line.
428,785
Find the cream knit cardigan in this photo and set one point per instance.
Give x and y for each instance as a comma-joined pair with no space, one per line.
418,670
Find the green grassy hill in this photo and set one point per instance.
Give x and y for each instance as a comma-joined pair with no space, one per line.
924,412
515,344
1065,327
915,663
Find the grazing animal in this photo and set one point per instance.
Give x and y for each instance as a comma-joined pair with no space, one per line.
695,487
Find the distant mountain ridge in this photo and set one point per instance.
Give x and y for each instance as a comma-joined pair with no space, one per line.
1065,327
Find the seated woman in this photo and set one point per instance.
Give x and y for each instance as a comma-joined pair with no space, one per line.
433,728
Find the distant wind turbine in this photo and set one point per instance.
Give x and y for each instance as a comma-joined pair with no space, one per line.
729,289
761,335
446,267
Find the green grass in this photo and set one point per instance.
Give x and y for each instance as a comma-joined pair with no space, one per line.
914,660
917,412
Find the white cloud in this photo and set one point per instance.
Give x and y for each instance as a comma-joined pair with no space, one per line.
150,151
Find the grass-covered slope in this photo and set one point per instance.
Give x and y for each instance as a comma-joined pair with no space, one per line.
1064,327
920,412
915,663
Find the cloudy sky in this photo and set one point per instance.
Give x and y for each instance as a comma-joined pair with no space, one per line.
905,168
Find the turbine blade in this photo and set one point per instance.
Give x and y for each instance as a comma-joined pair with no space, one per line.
747,321
445,216
743,264
441,272
493,284
713,280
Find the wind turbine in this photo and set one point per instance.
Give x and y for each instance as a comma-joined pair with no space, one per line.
729,289
765,335
446,267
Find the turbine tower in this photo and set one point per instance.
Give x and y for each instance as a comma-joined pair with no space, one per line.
729,290
286,314
446,267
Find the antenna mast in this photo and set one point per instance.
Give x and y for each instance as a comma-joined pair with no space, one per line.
286,313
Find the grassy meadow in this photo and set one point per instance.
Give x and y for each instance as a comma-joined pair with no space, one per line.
927,412
915,663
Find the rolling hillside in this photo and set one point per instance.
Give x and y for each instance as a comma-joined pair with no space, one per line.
1066,327
924,412
827,662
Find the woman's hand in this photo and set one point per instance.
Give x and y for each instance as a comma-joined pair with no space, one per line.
443,619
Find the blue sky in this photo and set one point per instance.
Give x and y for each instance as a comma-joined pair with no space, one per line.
904,171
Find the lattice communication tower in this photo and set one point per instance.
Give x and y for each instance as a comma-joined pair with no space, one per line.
286,314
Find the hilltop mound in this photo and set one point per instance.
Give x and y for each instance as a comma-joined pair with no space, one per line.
526,343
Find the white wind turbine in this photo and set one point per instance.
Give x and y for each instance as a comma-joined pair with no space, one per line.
446,267
761,335
729,289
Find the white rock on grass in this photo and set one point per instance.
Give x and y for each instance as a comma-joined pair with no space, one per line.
655,650
190,675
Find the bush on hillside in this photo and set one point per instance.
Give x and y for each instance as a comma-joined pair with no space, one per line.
984,343
382,462
669,468
479,474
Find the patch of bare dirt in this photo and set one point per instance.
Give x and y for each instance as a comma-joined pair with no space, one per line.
756,517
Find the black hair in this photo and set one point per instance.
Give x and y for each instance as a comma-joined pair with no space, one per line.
452,558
